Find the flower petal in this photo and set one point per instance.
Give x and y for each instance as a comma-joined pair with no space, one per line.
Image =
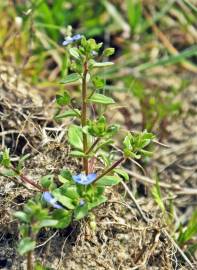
82,202
77,37
69,40
65,43
77,178
47,196
57,205
91,177
84,179
94,53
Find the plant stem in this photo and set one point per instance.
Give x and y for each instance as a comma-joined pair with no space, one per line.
84,116
73,109
30,253
93,145
114,165
27,180
29,261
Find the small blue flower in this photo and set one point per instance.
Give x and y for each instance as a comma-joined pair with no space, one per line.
81,202
69,40
84,179
47,196
94,53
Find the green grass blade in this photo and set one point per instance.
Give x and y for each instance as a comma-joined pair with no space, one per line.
118,18
174,59
190,5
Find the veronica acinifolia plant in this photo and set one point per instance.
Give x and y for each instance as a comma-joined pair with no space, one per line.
75,193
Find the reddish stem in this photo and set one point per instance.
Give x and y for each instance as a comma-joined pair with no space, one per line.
31,182
84,116
114,165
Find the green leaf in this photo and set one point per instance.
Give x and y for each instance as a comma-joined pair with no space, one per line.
99,191
98,127
148,136
71,78
156,193
108,52
112,130
81,211
63,180
48,223
63,99
190,231
21,216
102,64
66,174
101,99
70,191
74,52
38,266
103,144
98,82
21,161
97,202
68,113
134,10
63,217
46,181
108,180
146,153
122,173
5,158
8,173
26,245
76,153
65,201
134,144
75,136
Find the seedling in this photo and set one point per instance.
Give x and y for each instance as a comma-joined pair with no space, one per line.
183,233
157,108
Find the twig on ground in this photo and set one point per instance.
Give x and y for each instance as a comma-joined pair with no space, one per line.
148,251
135,202
179,249
45,242
176,188
62,250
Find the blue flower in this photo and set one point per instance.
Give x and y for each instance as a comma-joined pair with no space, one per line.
94,53
84,179
69,40
47,196
81,202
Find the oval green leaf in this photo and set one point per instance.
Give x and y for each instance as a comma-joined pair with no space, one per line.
101,99
71,78
102,64
75,137
108,180
68,113
25,245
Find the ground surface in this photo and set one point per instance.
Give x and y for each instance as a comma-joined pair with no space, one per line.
121,239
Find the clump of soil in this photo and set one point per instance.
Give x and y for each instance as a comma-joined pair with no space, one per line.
121,241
